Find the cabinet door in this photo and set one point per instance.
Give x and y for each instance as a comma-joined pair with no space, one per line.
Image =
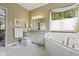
39,38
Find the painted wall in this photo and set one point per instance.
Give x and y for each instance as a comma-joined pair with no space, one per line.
44,11
15,11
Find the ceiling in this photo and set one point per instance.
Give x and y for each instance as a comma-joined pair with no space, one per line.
30,6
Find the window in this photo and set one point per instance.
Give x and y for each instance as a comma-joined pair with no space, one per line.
56,15
69,24
69,14
62,15
63,21
55,25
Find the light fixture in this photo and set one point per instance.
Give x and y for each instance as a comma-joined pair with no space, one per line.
37,17
41,16
32,17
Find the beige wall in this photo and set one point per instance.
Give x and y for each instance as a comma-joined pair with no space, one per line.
44,11
15,11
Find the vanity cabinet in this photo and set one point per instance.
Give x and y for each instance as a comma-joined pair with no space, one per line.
36,37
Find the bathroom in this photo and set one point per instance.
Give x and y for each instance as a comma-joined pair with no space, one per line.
52,27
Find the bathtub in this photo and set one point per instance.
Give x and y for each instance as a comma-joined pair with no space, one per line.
56,48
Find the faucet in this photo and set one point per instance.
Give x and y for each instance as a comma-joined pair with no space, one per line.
69,39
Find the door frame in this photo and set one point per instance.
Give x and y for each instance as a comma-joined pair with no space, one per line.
6,12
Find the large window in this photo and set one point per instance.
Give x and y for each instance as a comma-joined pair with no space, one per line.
56,15
69,14
63,21
62,15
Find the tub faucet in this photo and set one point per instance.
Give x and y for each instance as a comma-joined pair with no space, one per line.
69,39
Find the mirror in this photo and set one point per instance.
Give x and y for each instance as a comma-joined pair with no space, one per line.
38,24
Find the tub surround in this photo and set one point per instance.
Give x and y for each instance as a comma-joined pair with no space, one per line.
56,49
70,41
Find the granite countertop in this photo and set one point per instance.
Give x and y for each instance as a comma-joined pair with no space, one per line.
36,31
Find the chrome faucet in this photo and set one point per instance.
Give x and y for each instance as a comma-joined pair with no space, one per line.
69,39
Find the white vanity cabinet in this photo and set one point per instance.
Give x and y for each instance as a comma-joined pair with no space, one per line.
36,37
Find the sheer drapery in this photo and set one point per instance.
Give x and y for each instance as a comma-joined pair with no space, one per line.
64,25
64,8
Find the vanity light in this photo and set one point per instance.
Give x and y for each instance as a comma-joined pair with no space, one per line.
32,17
41,16
37,17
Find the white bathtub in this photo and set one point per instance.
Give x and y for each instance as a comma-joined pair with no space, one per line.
56,48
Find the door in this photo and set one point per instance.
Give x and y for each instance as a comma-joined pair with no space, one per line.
2,26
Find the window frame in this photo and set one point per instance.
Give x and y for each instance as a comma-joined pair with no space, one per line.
62,13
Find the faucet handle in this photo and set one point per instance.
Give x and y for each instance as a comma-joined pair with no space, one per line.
62,42
73,46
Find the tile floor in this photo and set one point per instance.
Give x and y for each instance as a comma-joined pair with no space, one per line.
21,50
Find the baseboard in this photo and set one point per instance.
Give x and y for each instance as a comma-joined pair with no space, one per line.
12,44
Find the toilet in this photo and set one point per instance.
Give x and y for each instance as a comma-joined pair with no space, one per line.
18,34
26,41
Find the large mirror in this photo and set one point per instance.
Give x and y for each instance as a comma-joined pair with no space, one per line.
37,23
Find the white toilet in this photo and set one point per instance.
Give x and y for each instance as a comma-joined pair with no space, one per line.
18,33
26,41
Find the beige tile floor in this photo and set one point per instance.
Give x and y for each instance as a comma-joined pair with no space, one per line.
21,50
